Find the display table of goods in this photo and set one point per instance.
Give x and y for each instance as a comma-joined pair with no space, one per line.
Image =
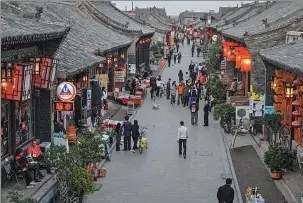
108,122
252,195
105,141
125,98
141,91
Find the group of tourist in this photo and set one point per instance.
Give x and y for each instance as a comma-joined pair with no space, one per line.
31,161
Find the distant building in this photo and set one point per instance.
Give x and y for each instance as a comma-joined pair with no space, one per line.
189,17
211,11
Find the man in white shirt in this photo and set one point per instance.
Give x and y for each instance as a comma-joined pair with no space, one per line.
182,138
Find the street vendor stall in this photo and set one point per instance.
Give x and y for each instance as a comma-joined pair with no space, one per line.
108,122
252,195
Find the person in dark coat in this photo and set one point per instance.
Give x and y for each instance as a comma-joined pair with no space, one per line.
127,132
191,67
226,193
135,135
198,51
179,57
168,85
118,136
177,47
169,59
192,50
180,75
175,58
206,113
193,76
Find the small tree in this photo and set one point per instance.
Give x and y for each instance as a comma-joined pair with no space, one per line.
273,123
223,110
213,58
217,89
73,175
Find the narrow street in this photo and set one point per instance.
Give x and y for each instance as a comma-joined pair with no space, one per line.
160,174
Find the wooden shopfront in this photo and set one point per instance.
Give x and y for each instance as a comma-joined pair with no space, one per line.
288,101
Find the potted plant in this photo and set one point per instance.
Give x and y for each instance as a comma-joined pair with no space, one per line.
276,159
217,89
273,123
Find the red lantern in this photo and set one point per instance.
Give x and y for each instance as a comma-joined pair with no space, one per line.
246,63
231,56
162,62
296,114
17,86
238,60
44,72
296,124
296,103
297,82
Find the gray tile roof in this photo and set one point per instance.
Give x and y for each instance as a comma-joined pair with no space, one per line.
14,28
238,12
150,19
114,13
289,56
274,14
86,35
254,11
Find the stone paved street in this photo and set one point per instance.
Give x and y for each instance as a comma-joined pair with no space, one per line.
160,175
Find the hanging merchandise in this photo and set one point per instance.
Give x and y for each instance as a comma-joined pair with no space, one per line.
103,80
252,195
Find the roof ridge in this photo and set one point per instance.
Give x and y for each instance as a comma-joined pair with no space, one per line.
93,11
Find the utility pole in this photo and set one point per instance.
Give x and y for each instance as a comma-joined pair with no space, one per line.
132,6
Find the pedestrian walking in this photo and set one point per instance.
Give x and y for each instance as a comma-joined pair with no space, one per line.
186,93
192,50
180,93
168,85
159,82
135,134
194,108
177,46
211,100
180,75
200,68
199,91
175,58
118,136
182,138
198,51
179,57
226,193
127,132
193,77
173,91
169,59
191,67
206,113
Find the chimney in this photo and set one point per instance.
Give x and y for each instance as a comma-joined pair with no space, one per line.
132,6
241,4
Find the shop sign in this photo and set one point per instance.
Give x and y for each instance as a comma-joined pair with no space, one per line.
119,76
269,110
66,91
63,106
132,68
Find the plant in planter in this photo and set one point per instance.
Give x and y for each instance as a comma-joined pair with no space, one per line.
273,123
276,159
73,175
217,89
224,109
15,197
213,58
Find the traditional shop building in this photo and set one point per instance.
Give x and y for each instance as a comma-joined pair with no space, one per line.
28,70
261,26
138,52
284,84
